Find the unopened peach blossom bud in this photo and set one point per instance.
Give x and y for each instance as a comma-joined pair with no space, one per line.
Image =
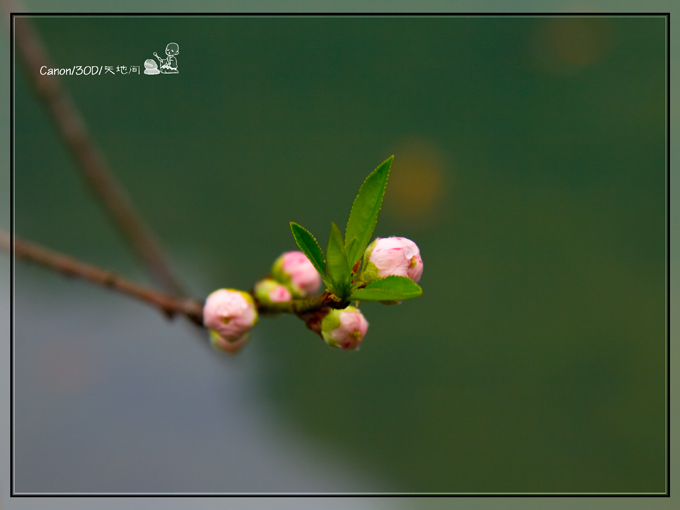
344,329
270,291
229,314
392,256
294,270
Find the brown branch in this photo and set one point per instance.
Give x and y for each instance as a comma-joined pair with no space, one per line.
93,167
170,306
310,310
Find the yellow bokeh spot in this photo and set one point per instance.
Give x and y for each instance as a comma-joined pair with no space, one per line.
416,185
565,45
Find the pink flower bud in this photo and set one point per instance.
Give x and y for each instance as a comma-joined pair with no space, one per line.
270,291
344,329
294,270
230,314
392,256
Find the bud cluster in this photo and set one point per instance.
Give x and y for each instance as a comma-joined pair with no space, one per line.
294,271
230,314
387,271
398,256
292,276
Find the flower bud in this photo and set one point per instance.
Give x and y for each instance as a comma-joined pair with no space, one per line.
270,291
294,270
344,329
392,256
229,314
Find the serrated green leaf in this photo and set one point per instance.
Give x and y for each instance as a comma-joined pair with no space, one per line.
310,247
337,266
365,209
349,245
388,289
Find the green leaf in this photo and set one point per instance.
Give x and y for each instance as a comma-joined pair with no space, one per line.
365,209
388,289
349,244
308,245
337,266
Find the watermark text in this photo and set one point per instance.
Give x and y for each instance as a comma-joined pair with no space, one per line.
88,70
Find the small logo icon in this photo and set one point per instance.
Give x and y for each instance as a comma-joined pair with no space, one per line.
167,65
150,67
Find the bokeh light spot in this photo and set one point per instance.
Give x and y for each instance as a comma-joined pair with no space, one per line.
566,45
417,183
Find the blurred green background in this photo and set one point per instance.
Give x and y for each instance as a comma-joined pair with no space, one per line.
529,168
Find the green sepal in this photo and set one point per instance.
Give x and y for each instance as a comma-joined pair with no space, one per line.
370,272
337,267
331,321
310,247
391,288
365,209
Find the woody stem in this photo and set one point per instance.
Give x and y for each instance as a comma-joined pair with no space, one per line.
170,306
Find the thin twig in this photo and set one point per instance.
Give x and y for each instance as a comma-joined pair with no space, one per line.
304,305
94,168
69,266
310,310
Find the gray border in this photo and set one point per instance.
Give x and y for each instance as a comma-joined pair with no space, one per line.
349,6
